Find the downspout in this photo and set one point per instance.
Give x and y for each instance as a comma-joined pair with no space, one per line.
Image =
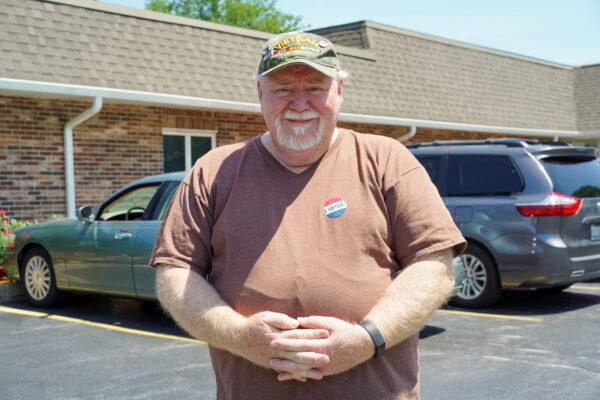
69,161
412,132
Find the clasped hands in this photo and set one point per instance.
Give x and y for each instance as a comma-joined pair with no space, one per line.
303,348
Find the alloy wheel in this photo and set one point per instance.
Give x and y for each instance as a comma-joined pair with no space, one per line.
37,278
475,278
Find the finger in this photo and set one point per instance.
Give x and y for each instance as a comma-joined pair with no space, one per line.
316,322
285,365
280,321
301,345
304,334
286,376
311,374
314,360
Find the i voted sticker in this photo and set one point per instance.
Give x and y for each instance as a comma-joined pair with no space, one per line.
335,207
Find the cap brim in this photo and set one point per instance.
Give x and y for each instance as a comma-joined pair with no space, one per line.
329,71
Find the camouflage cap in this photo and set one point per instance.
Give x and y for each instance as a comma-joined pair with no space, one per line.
299,48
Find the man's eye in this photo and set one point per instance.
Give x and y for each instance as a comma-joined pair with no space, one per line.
315,90
282,91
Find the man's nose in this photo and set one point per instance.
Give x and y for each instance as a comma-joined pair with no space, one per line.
299,102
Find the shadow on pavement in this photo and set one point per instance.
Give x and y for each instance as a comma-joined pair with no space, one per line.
536,303
125,313
430,330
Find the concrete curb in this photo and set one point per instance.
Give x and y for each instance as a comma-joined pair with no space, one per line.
10,291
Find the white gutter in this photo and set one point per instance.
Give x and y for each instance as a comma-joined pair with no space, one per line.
69,163
454,126
589,134
19,87
411,133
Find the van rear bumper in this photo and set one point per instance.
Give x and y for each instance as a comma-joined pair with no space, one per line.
545,264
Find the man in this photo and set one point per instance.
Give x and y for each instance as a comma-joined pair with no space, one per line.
282,252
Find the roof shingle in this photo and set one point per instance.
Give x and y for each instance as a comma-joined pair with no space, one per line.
394,72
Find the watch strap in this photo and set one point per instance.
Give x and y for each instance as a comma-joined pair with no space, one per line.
376,336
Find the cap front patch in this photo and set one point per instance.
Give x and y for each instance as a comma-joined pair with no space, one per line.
335,207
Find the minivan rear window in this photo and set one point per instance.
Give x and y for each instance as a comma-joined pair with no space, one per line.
482,175
579,177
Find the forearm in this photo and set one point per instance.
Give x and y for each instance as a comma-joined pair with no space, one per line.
418,291
197,307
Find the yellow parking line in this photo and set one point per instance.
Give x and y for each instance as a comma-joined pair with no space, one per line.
584,287
95,324
484,315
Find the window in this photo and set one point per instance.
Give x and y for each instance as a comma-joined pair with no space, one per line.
130,206
481,175
574,176
432,165
182,147
166,199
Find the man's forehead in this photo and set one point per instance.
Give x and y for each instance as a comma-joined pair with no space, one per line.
295,72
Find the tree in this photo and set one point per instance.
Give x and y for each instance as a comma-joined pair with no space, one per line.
261,15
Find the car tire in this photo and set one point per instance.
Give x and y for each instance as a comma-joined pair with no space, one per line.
481,284
38,279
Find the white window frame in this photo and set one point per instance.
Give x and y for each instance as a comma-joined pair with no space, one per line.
188,134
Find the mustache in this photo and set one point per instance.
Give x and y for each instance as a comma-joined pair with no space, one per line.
301,116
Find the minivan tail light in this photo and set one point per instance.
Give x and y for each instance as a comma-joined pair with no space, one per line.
555,204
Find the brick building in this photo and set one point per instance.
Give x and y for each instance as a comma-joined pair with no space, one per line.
126,93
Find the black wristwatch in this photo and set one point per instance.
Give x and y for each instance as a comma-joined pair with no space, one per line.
375,335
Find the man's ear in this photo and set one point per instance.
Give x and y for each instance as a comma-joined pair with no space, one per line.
259,89
340,87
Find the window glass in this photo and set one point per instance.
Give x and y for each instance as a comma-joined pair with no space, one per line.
432,165
166,200
135,202
200,146
470,175
174,153
574,176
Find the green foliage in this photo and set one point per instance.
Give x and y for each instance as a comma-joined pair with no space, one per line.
587,191
8,226
260,15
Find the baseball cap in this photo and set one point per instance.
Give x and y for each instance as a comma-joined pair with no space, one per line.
299,47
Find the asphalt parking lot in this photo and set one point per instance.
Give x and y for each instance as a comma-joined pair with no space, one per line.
531,345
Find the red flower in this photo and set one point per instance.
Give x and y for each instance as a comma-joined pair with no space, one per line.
2,212
6,222
8,233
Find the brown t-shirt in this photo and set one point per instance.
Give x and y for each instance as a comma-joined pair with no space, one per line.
327,241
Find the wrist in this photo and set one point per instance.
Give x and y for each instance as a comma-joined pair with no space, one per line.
377,340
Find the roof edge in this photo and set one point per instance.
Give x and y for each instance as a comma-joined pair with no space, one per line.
19,87
457,43
185,21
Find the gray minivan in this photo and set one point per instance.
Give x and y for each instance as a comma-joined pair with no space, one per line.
530,211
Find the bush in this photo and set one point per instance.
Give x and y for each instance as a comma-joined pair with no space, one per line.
8,226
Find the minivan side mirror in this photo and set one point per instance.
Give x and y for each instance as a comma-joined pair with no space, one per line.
85,213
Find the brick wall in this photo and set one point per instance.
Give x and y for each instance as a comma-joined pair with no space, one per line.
121,143
118,145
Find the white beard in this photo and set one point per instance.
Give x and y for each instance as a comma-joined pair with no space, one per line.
298,137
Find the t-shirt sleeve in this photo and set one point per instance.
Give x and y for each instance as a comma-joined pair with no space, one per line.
421,223
185,234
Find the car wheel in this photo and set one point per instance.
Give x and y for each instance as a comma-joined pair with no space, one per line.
481,285
38,279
